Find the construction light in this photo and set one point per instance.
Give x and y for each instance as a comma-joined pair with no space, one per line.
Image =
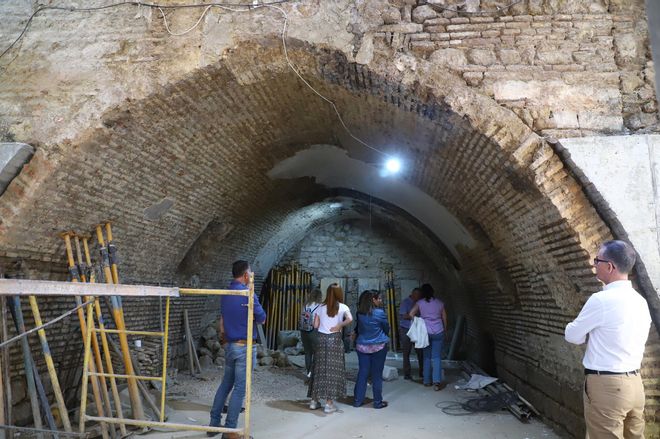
393,165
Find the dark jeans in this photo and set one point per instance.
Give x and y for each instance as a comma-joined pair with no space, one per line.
310,340
234,382
370,364
407,346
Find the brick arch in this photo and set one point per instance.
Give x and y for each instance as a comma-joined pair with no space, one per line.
204,145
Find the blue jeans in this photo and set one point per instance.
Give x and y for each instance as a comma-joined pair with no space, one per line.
234,378
370,364
432,358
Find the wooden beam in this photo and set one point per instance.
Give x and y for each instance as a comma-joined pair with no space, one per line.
201,292
23,287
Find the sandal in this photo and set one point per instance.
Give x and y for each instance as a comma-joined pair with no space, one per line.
382,405
440,386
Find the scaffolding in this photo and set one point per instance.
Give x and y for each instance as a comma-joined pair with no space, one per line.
91,292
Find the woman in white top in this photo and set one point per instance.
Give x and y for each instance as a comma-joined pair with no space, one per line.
328,379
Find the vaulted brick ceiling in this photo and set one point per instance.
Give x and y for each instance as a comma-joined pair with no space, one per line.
184,175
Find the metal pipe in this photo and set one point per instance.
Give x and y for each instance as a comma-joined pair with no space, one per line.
3,358
5,362
118,375
83,328
104,343
112,252
117,331
17,314
42,326
168,425
118,314
81,264
59,398
248,359
165,342
40,430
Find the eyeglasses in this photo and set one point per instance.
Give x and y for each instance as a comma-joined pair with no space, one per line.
597,260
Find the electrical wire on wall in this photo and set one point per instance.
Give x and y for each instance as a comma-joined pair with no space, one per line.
233,7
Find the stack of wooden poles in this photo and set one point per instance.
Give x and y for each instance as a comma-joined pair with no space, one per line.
391,309
289,285
82,270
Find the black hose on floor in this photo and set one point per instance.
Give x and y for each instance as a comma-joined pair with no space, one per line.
487,403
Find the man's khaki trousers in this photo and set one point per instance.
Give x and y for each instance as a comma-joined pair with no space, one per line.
614,406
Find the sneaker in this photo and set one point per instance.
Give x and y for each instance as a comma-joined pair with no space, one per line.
330,408
313,405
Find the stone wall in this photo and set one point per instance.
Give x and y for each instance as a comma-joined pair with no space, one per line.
564,73
353,250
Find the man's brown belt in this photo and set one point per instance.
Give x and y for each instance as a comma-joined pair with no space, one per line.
241,342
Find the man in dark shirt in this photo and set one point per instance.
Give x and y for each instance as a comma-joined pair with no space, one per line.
233,334
404,325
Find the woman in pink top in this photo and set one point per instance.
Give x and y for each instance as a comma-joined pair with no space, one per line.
432,311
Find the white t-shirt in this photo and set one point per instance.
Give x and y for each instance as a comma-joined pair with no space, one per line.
327,322
617,321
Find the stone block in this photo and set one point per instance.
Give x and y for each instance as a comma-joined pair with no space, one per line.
448,57
390,373
473,79
422,48
204,351
554,57
464,35
266,361
509,56
287,339
437,21
436,29
210,333
391,15
403,28
423,13
205,361
484,57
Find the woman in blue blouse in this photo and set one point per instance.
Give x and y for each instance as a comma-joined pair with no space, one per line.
371,346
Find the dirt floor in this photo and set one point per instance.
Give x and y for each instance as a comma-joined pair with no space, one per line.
280,410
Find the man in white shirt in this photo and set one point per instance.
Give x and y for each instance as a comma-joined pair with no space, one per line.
615,324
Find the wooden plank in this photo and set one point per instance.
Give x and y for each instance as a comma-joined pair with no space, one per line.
23,287
191,348
165,425
191,343
202,292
